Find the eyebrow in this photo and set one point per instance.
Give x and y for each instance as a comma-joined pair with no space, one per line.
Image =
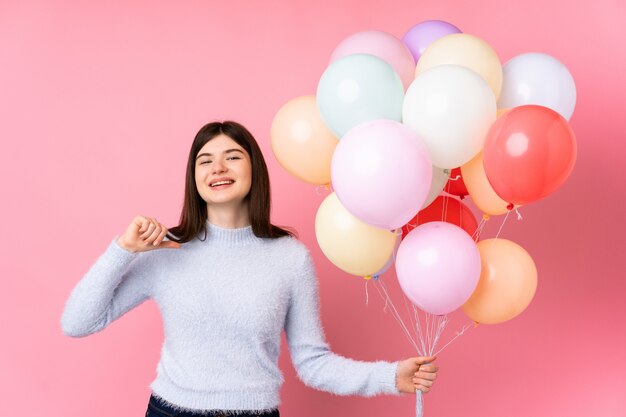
226,151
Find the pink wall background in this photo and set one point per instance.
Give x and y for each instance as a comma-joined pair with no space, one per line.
99,104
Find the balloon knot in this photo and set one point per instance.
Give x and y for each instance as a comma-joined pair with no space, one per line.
485,217
375,277
510,206
476,324
367,277
327,187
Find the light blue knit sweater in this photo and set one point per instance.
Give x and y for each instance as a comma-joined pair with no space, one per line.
224,302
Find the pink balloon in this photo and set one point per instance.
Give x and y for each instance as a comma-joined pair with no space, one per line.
381,172
438,267
383,45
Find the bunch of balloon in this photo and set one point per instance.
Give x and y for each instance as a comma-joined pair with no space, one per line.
394,123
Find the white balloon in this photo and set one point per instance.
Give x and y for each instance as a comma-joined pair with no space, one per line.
536,78
440,179
451,108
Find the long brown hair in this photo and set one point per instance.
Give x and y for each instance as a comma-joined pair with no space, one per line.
194,213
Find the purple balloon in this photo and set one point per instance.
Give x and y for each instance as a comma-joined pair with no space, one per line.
425,33
438,267
381,171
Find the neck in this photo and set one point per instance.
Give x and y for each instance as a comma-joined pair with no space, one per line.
228,217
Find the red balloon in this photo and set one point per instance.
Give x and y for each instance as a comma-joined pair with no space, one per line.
447,209
456,186
529,153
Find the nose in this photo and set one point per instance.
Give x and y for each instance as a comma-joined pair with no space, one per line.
219,167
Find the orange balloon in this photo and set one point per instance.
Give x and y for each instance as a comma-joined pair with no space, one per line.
507,283
478,186
301,142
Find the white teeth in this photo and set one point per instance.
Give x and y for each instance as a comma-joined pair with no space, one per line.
215,184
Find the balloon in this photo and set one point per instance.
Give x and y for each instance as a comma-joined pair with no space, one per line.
440,178
479,188
383,45
536,78
445,209
438,266
467,51
507,282
381,172
423,34
451,108
529,153
301,142
351,245
358,88
391,259
455,185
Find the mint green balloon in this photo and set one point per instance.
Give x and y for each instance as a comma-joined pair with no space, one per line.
358,88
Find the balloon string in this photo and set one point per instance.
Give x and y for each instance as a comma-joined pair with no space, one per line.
367,297
479,229
381,289
519,215
502,225
406,302
458,334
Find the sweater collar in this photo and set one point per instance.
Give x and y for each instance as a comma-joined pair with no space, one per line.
228,237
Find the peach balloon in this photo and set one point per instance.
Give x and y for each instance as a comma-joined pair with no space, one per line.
467,51
350,244
301,142
507,283
478,186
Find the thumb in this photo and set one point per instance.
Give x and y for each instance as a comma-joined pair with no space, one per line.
168,244
424,359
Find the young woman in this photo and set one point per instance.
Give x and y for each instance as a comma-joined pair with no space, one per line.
227,282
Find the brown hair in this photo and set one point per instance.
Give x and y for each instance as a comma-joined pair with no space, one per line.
194,213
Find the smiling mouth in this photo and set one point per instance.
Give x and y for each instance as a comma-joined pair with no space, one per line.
218,183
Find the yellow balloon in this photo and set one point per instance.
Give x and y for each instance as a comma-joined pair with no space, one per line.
507,283
301,142
467,51
478,186
353,246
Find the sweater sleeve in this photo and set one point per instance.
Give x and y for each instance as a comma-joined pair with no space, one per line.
315,364
115,283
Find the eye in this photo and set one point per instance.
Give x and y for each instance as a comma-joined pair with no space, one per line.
206,162
233,157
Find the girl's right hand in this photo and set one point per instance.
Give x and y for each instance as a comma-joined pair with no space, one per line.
144,234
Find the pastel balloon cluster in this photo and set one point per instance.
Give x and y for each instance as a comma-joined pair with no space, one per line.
389,123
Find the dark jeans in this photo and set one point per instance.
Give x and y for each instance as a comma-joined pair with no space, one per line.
157,408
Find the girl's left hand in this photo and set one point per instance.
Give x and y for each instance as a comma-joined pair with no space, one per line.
417,373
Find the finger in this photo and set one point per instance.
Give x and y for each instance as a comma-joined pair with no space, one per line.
142,223
422,388
161,235
428,368
422,382
431,376
424,359
148,229
155,232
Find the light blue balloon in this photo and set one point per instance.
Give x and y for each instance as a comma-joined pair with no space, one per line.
358,88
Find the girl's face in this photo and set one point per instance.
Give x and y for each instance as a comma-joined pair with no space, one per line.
223,172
